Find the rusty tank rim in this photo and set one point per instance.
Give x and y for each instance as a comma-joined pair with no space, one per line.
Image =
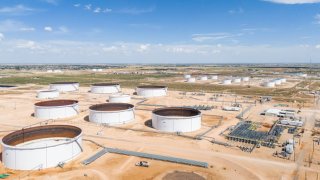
111,107
40,132
176,112
55,103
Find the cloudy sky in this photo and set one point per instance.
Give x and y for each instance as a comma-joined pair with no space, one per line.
159,31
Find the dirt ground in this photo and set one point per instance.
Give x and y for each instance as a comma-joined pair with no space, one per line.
17,106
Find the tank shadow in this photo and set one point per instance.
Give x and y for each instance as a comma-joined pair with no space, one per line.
86,118
32,114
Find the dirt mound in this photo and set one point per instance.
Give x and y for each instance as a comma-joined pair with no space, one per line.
177,175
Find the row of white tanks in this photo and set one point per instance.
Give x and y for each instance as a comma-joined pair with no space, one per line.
275,82
235,80
191,79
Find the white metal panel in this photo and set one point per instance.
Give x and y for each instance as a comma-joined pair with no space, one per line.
151,92
48,94
65,87
120,98
41,156
176,124
108,89
112,117
56,112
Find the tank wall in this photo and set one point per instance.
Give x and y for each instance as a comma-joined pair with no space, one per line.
45,157
105,89
173,124
151,92
48,95
119,99
120,117
56,112
65,87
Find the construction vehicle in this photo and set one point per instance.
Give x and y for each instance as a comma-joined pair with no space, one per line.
142,164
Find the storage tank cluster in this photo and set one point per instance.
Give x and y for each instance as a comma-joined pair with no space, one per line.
111,113
176,119
105,88
56,109
41,147
275,82
236,80
214,77
245,79
64,86
191,80
203,78
151,91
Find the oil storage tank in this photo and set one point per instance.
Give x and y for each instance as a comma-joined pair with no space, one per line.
245,79
203,78
187,76
119,98
105,88
65,86
55,109
226,82
151,91
41,147
176,119
48,94
191,80
269,84
111,113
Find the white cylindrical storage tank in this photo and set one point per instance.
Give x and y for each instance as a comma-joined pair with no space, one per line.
214,77
176,119
65,86
269,84
151,91
283,80
237,80
245,79
187,76
48,94
203,78
226,81
111,113
191,80
277,81
56,109
41,147
119,98
105,88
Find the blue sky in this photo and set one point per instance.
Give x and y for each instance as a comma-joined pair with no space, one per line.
159,31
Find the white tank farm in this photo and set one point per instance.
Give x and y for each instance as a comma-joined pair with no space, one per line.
105,88
56,109
204,78
187,76
151,91
111,113
245,79
191,80
269,84
119,98
48,94
237,80
65,86
41,147
214,77
226,81
176,119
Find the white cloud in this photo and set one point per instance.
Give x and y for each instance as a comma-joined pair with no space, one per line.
54,2
136,11
236,11
1,36
77,5
317,18
63,29
143,47
13,26
97,10
48,29
212,37
317,46
110,49
293,1
88,7
27,29
16,10
28,45
107,10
